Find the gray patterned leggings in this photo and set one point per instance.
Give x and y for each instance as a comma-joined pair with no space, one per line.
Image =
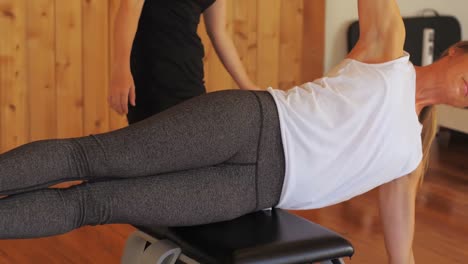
212,158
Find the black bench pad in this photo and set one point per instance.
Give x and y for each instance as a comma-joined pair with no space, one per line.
271,237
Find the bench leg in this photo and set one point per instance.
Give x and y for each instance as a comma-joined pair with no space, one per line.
338,261
162,251
334,261
159,252
186,260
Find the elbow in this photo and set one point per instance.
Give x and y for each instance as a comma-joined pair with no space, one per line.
391,35
395,32
125,5
215,29
217,34
399,32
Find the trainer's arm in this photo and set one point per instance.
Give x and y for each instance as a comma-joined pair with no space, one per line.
382,32
215,21
122,87
126,23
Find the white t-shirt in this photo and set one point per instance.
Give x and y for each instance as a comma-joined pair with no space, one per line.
348,132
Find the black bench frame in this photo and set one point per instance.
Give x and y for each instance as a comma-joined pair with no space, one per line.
270,236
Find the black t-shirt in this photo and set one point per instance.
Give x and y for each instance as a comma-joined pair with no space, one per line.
204,4
167,46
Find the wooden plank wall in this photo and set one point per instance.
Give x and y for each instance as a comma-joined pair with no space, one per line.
55,63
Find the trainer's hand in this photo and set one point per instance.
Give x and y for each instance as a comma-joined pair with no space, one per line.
121,90
250,86
254,87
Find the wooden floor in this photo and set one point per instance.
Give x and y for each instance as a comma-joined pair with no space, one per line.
441,228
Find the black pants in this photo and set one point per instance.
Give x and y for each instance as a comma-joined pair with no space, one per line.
212,158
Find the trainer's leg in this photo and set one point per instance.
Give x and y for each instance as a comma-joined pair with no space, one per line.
203,131
184,198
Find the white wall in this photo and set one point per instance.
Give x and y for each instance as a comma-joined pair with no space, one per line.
340,13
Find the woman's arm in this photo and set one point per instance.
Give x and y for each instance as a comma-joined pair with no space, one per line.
122,88
397,201
382,32
215,21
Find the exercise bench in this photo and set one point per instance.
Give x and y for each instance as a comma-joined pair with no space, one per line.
265,237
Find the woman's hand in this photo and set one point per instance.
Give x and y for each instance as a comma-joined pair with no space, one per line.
121,90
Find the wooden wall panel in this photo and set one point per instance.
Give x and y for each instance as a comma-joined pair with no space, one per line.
268,15
41,68
13,101
245,35
55,60
290,49
115,121
96,65
251,57
69,65
313,40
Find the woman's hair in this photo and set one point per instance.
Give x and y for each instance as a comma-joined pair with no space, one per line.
463,45
428,119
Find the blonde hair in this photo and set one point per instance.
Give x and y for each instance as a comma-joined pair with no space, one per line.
428,119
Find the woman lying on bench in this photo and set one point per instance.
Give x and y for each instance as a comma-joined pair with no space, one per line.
225,154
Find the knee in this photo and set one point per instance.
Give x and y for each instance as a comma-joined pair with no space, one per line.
88,207
89,156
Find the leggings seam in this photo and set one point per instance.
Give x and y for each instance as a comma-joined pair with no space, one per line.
257,202
240,163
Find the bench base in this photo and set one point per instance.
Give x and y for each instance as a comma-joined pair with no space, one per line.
265,237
